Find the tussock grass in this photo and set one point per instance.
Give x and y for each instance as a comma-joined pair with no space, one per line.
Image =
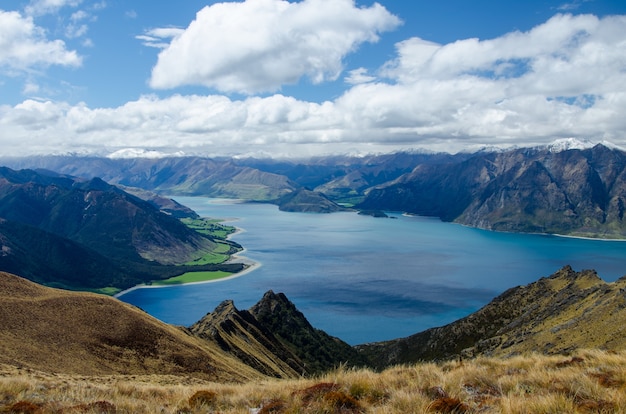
590,381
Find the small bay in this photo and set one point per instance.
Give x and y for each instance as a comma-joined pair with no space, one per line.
366,279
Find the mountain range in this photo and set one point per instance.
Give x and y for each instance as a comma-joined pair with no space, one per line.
571,190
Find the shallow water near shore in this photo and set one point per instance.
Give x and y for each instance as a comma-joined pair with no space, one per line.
366,279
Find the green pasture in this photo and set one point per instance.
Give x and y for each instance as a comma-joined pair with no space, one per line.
191,277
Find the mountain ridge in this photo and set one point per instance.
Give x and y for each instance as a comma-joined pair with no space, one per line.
554,315
571,192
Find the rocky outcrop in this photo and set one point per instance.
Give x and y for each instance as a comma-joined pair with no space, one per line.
318,351
275,338
240,334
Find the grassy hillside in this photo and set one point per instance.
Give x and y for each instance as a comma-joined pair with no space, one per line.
586,382
89,334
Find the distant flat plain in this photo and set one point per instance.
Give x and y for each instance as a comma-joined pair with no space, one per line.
366,279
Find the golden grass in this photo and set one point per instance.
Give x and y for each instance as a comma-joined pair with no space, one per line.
587,382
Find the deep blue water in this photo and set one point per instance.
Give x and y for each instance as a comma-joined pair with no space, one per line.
367,279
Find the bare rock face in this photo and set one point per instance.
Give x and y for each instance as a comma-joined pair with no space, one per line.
575,192
275,338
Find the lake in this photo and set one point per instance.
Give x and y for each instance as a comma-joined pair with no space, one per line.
366,279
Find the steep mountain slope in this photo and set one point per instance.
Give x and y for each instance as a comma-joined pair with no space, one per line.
556,314
315,348
61,229
241,335
345,177
81,333
575,192
56,261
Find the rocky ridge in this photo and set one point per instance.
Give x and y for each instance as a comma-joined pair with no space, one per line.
557,314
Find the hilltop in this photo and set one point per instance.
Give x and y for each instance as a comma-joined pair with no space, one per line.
55,330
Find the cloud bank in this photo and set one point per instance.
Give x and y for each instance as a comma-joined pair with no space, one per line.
564,78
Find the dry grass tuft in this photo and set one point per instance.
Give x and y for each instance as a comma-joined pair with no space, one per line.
23,407
448,405
203,398
589,381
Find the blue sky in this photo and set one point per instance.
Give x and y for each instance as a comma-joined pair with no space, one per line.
278,78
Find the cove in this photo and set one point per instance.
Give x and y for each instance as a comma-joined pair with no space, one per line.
366,279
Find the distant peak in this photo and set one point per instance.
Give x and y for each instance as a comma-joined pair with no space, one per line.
566,144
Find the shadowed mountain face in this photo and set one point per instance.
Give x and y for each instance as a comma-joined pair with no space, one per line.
575,192
556,314
58,229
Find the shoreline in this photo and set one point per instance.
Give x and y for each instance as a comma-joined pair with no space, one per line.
252,265
568,236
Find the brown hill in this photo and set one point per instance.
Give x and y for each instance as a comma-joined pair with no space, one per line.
557,314
82,333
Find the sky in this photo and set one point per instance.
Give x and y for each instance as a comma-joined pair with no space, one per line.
277,78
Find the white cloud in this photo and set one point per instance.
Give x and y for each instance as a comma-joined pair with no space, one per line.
565,78
358,76
159,37
259,45
24,45
40,7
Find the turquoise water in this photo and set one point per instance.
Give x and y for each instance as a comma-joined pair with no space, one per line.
367,279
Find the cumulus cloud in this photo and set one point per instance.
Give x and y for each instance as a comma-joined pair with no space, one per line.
565,78
259,45
24,45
